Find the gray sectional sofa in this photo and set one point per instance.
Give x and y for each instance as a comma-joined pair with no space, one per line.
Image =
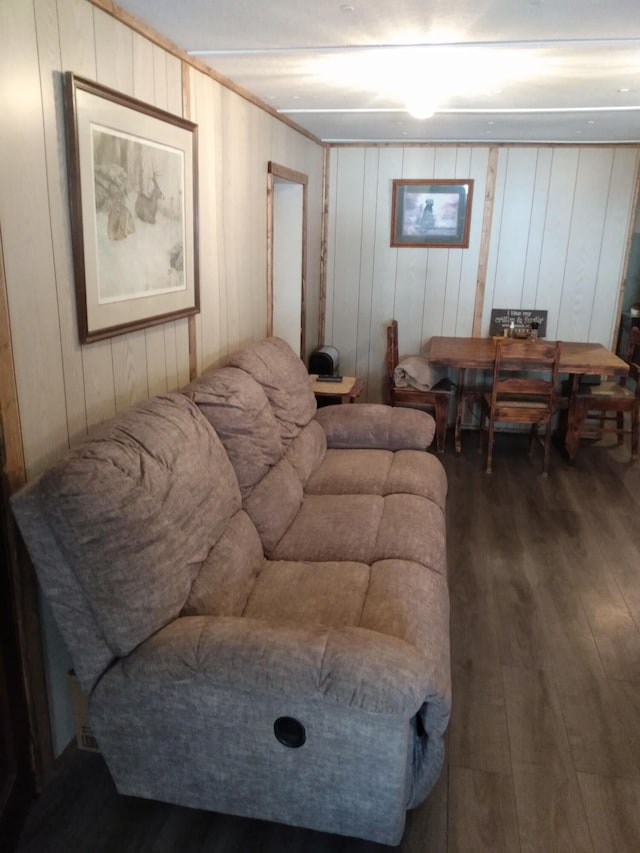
254,593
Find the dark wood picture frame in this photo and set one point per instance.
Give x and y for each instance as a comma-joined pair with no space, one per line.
431,213
133,192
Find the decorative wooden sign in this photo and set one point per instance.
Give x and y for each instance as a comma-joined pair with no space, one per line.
523,321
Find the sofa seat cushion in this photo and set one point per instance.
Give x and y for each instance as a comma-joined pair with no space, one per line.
351,472
396,597
238,409
295,593
275,366
366,528
328,528
380,472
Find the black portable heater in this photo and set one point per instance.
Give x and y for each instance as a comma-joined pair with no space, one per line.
325,361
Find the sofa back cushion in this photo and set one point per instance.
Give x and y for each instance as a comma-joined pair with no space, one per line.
227,577
274,503
239,411
307,451
275,366
135,511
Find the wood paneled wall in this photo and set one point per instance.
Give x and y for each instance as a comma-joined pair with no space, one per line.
64,388
79,386
557,232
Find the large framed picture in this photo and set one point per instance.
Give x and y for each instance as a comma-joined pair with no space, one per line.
434,214
134,211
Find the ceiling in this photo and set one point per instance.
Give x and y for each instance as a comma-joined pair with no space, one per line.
491,70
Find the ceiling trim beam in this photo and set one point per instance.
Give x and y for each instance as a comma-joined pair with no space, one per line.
493,45
465,110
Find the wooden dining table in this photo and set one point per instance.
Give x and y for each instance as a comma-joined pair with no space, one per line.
576,359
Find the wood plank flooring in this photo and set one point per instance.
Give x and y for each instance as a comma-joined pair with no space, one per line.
544,741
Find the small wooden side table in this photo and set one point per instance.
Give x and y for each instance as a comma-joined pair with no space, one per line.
347,391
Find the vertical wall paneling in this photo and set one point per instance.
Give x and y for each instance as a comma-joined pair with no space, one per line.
558,221
347,255
204,95
456,165
115,68
367,261
614,247
76,32
167,72
331,229
533,253
49,53
254,276
150,85
24,212
234,175
186,333
322,285
585,240
385,261
411,282
558,204
519,179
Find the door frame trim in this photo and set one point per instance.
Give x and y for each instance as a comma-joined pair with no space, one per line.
277,171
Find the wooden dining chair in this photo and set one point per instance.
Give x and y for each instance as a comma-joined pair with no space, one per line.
610,401
437,400
525,375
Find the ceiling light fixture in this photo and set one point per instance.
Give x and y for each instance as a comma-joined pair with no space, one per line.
420,109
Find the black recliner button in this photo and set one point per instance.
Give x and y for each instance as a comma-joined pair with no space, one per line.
289,732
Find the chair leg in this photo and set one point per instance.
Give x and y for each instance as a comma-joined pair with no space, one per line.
547,450
620,426
490,446
442,414
635,431
603,418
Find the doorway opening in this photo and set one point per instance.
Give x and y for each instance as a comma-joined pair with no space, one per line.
287,255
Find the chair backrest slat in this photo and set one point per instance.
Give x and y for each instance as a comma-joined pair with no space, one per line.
518,356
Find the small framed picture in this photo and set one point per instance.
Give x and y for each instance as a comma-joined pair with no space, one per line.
431,214
134,211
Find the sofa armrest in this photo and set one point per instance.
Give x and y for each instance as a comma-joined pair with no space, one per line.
376,426
349,666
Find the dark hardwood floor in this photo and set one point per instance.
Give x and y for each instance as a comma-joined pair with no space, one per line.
544,741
